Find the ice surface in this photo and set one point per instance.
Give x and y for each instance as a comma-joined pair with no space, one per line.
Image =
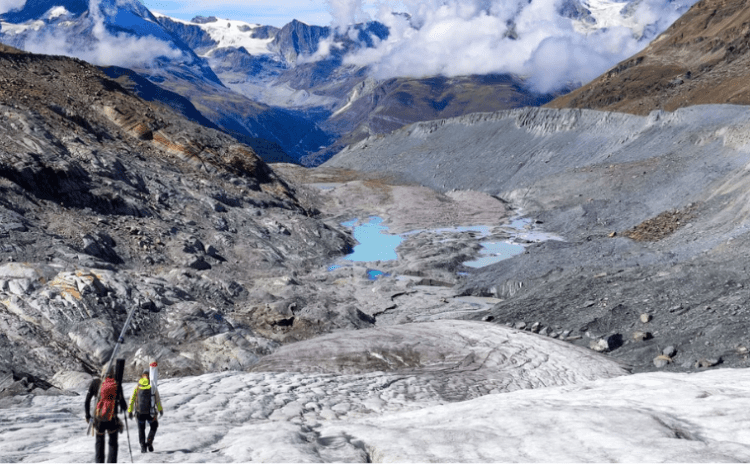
400,415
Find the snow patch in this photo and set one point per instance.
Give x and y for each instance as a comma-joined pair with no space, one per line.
56,12
230,33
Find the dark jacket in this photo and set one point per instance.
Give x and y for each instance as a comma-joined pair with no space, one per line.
145,384
93,392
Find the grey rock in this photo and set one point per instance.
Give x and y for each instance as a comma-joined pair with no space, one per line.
198,263
20,287
685,258
707,362
606,344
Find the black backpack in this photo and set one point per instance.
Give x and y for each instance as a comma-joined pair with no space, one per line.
144,400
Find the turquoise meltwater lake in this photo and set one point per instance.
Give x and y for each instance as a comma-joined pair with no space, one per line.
375,243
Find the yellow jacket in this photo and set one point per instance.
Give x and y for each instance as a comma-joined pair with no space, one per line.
142,385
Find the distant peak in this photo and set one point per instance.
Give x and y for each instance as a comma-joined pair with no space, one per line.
36,9
204,20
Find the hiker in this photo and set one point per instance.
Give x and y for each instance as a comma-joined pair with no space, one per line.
110,402
145,403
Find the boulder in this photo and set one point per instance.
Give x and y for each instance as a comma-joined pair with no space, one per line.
669,351
94,336
606,344
706,363
71,380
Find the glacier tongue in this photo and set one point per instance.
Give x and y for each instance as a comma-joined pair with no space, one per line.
402,414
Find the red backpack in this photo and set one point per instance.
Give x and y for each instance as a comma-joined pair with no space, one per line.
105,408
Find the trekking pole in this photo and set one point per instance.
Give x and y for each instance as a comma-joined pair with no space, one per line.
127,431
120,340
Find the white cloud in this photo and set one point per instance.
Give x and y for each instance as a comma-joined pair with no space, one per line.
526,38
106,48
8,5
346,12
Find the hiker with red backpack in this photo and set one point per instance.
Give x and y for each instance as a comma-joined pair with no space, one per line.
146,403
110,400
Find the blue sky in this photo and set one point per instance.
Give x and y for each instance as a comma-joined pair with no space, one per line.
267,12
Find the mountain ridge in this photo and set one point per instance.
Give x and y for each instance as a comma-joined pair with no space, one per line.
254,81
701,59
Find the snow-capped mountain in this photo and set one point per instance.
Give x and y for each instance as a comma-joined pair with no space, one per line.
123,34
335,85
205,35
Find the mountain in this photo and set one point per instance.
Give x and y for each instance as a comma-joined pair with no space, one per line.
274,66
109,202
309,90
376,108
702,58
125,34
112,32
651,211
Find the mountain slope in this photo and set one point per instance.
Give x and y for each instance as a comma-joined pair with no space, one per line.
376,108
109,202
702,58
127,35
653,212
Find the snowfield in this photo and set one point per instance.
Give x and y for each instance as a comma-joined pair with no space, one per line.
340,408
230,33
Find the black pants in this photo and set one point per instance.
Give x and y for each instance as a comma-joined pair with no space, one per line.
153,425
107,428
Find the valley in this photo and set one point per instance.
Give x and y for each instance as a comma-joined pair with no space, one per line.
454,276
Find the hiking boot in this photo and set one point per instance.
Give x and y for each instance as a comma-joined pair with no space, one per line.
151,447
143,448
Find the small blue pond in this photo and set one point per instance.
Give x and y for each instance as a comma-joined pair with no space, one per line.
494,252
374,243
374,274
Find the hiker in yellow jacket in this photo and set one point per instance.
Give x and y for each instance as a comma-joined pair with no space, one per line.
145,403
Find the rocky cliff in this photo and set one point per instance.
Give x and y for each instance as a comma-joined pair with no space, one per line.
108,202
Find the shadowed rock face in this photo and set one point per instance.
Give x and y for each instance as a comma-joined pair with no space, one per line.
702,58
108,202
